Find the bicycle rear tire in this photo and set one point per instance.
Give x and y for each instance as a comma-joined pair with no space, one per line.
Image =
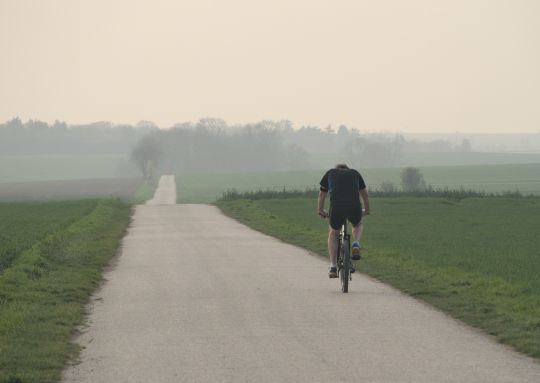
346,267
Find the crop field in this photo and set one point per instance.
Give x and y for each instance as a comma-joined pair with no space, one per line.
124,188
425,159
52,255
488,178
475,258
23,224
60,167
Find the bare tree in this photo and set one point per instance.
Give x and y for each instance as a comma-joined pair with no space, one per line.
146,155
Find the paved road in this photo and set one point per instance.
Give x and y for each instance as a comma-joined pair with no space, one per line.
165,193
198,297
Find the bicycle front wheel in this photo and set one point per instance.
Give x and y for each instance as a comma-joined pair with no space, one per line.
346,267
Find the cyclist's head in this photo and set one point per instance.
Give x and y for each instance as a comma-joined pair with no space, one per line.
342,166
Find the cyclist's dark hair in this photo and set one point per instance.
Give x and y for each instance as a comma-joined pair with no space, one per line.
342,166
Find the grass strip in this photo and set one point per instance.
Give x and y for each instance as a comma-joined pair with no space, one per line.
43,293
145,192
500,306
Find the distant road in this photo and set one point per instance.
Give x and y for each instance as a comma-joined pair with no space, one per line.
165,193
197,297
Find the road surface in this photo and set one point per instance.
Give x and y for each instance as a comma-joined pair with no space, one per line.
197,297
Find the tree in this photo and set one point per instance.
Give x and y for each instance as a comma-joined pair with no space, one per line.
145,124
14,123
59,126
412,180
146,155
211,125
343,131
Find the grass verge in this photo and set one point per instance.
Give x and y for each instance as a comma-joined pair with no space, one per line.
43,293
476,259
145,192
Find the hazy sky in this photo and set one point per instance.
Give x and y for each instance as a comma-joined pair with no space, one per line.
410,66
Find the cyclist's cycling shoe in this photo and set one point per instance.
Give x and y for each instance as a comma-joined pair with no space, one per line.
332,273
355,253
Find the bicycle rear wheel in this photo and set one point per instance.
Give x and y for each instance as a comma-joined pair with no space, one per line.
346,267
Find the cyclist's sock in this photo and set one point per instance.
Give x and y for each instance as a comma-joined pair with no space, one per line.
332,265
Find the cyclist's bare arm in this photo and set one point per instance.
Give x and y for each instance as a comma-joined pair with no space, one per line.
365,198
320,204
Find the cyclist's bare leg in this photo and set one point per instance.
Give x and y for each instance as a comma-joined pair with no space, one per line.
332,245
357,232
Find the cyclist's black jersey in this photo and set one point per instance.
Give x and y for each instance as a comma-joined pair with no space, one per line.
343,185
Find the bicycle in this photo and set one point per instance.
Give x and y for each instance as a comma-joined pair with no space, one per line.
344,261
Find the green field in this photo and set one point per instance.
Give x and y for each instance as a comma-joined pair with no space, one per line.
426,159
52,256
135,190
63,167
488,178
23,224
468,158
476,258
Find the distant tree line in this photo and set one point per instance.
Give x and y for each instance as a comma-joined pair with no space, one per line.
210,145
39,138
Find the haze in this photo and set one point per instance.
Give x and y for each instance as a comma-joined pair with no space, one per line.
409,66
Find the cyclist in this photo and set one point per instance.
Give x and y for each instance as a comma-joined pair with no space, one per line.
346,186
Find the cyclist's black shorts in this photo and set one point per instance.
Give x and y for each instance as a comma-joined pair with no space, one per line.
338,215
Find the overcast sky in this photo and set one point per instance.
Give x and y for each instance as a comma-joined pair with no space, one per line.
394,65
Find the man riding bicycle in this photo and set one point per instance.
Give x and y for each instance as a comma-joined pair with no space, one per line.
346,186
